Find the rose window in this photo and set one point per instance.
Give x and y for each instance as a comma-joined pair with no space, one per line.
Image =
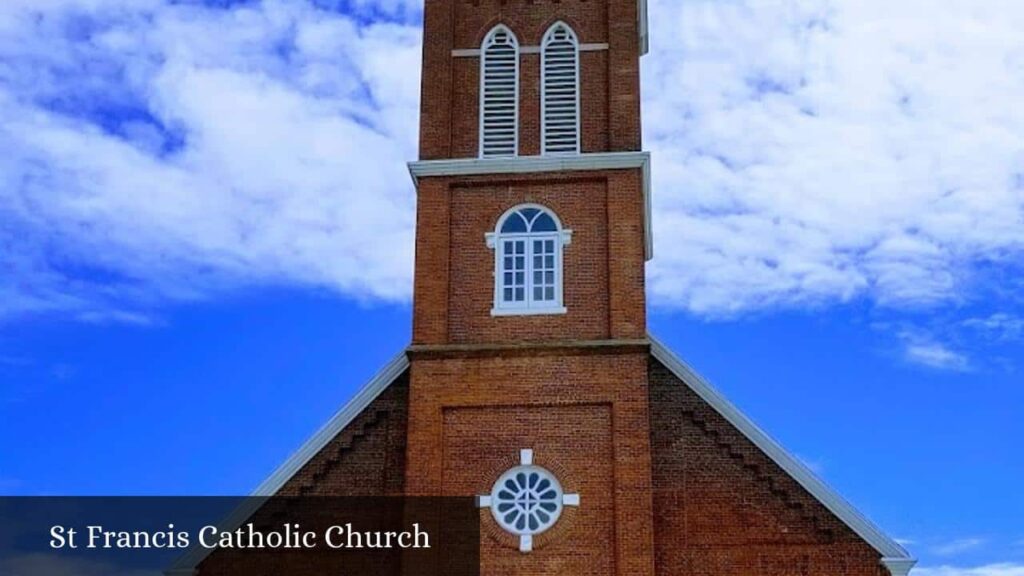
527,500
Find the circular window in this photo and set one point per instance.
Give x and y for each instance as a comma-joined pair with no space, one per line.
526,500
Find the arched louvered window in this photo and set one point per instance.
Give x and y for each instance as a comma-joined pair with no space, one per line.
528,245
560,91
499,94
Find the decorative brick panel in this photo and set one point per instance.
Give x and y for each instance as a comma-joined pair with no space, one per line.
722,507
583,410
581,457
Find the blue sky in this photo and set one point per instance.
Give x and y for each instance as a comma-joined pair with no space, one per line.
206,240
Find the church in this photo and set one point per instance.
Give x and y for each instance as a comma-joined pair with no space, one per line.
531,381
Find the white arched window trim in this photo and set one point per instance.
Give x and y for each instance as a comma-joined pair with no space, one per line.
499,126
560,72
525,245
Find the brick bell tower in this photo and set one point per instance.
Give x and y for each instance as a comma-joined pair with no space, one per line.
531,381
529,362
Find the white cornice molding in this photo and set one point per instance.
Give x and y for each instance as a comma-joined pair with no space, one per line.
644,27
529,164
894,556
541,164
899,566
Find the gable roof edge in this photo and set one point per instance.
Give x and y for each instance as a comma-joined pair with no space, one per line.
342,418
188,562
890,550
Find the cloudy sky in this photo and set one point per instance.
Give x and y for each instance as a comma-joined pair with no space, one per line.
845,176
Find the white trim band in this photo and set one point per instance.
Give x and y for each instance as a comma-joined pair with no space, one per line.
643,27
505,312
899,566
536,164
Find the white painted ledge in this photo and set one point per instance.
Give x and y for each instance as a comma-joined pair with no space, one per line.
541,164
503,312
899,566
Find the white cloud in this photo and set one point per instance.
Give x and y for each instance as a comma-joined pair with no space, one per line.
816,151
152,151
999,326
958,546
806,152
935,355
946,341
1006,569
938,347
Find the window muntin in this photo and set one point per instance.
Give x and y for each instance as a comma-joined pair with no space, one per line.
514,271
528,278
560,93
499,94
527,500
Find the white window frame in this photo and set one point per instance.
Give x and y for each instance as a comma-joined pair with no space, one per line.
544,85
496,242
488,40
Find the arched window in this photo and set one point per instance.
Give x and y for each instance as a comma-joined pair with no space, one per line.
528,246
560,91
499,94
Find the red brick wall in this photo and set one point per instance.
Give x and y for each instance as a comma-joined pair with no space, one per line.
584,413
454,269
581,204
367,458
635,448
724,508
603,267
610,79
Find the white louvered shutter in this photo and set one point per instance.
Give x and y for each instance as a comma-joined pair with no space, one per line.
560,91
499,95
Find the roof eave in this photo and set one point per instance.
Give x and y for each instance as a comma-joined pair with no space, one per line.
894,556
189,562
